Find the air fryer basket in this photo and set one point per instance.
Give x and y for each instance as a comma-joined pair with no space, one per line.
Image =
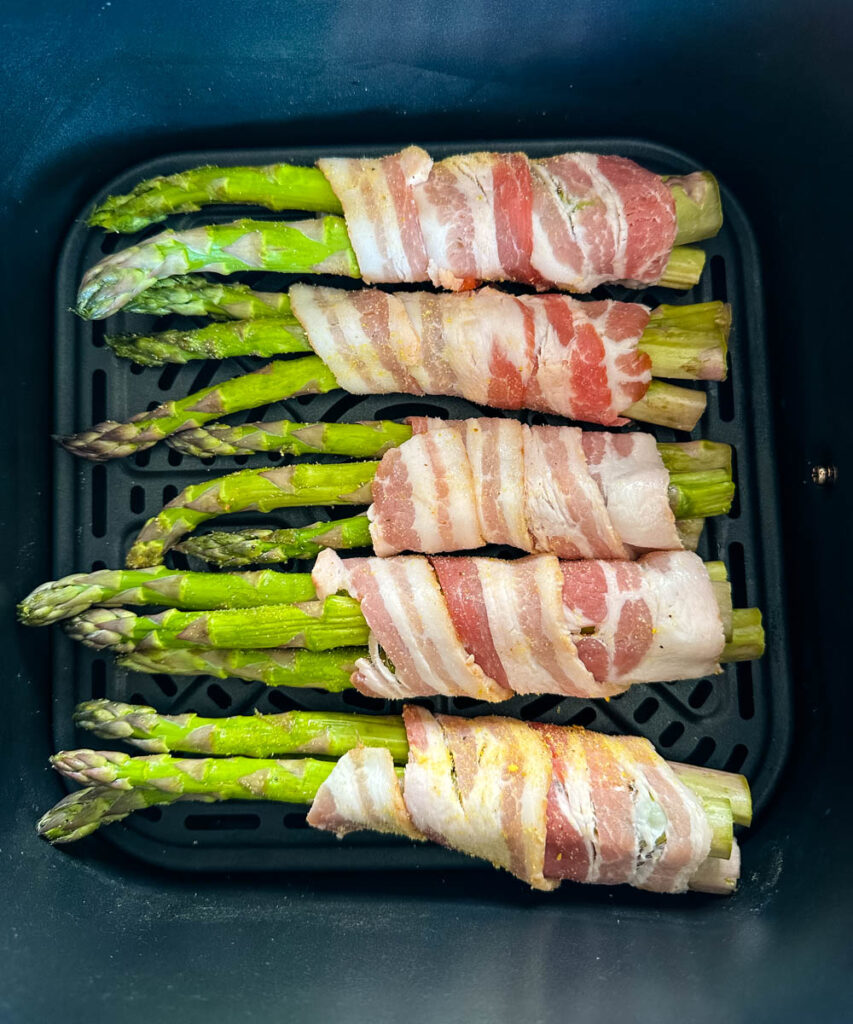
738,721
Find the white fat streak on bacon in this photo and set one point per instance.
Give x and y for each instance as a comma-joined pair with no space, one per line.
480,786
687,832
377,198
362,791
688,631
531,632
424,496
408,618
635,484
495,449
564,506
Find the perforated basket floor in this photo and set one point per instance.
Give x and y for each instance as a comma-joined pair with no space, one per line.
738,721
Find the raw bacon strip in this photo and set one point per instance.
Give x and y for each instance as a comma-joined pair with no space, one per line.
408,617
382,219
363,791
654,620
480,786
572,221
564,506
635,484
424,497
530,631
545,352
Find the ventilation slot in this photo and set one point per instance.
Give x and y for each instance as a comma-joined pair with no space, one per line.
99,678
99,396
674,731
540,706
702,751
296,819
281,702
745,692
222,822
736,758
219,697
645,711
99,501
584,717
701,692
137,500
358,700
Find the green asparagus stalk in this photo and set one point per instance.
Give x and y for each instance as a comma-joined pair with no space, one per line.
255,547
668,405
691,495
262,490
248,778
293,438
747,641
293,781
683,268
695,456
60,599
318,246
80,813
287,187
314,625
265,337
194,295
275,186
321,733
686,342
322,670
271,383
689,532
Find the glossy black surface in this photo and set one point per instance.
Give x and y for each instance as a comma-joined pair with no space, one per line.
759,92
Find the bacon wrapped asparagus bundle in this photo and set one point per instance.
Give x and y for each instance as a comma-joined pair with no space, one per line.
458,485
547,803
589,361
481,628
570,222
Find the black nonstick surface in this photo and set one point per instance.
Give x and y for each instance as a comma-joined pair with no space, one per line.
757,91
739,721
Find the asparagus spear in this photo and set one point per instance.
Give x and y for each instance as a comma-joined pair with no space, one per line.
253,547
322,733
289,437
314,625
683,342
265,337
668,406
277,380
329,734
275,186
71,595
286,187
82,812
323,670
248,778
318,246
691,495
194,295
262,490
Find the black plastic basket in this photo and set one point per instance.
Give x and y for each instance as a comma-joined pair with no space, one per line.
738,721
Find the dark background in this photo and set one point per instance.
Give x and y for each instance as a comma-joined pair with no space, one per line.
760,93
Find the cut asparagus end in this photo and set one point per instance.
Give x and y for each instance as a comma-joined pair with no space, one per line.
717,571
747,641
695,456
718,811
698,209
712,784
668,405
717,876
275,186
706,493
684,268
689,532
688,342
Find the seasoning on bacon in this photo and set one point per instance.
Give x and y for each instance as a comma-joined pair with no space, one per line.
486,627
545,802
546,352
